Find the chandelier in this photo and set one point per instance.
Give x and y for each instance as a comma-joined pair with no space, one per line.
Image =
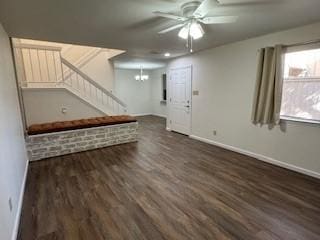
141,77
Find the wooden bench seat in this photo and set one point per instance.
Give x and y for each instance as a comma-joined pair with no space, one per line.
78,124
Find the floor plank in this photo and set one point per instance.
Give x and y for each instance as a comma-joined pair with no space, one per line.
167,186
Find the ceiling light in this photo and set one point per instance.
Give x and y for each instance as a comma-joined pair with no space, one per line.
184,32
196,30
141,76
167,54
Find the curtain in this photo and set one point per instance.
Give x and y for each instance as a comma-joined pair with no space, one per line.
268,90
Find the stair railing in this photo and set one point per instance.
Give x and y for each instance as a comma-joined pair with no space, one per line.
88,88
43,66
38,65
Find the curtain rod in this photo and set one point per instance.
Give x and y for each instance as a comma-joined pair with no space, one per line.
299,44
302,43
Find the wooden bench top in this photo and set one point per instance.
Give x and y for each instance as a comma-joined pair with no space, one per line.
78,124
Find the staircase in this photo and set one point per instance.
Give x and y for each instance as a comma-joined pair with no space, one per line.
41,66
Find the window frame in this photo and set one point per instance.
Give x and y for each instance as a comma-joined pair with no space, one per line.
291,49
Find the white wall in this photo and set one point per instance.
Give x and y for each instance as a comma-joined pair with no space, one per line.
100,69
136,94
225,78
13,158
158,108
141,97
45,105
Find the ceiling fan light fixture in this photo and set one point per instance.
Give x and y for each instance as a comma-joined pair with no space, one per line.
193,16
196,31
184,32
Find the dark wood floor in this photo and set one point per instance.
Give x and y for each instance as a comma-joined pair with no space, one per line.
167,186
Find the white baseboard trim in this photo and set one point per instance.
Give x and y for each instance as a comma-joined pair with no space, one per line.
20,203
259,157
140,114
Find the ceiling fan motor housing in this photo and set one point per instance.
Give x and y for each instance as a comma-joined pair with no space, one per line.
189,8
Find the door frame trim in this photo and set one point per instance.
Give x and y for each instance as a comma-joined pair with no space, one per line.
168,127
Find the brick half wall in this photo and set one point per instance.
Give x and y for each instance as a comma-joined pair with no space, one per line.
61,143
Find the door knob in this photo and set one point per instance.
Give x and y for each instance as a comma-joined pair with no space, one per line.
187,106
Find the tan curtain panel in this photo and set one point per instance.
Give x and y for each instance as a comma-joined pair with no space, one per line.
267,97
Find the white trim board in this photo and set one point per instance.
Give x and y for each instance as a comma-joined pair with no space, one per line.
20,203
147,114
259,157
159,115
140,114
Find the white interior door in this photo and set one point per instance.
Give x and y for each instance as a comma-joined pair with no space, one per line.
180,100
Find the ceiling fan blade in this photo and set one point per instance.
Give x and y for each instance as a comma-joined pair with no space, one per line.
205,7
219,19
171,16
171,28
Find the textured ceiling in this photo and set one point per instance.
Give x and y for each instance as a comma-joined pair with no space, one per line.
130,24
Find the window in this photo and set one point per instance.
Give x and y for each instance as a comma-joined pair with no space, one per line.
301,86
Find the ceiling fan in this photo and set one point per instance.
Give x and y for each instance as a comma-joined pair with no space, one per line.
193,15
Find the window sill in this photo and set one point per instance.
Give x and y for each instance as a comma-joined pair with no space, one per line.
299,120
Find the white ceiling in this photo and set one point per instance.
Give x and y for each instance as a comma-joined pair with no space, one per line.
128,62
130,24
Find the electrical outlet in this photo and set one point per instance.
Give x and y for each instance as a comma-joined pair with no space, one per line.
214,132
10,204
64,110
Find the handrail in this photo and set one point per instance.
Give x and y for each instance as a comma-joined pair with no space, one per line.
38,47
91,81
87,57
